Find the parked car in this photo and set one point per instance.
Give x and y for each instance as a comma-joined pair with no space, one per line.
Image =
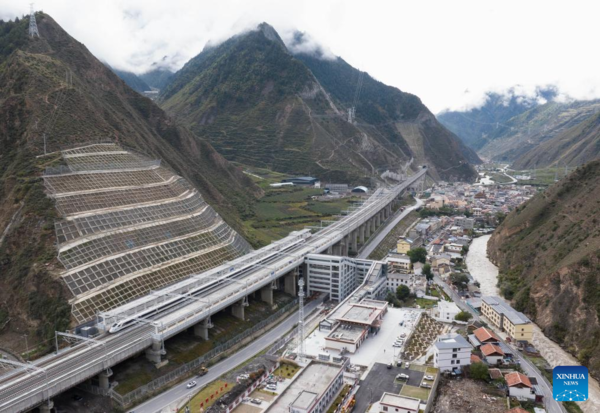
396,345
191,384
389,366
271,387
402,376
256,401
428,377
426,385
406,365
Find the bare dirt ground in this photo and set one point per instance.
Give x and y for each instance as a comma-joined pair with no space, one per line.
468,396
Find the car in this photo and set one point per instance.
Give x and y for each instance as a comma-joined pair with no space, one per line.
406,365
402,376
191,384
403,335
389,366
428,378
426,385
396,345
256,401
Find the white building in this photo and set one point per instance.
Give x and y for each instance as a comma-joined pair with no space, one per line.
398,263
447,310
340,276
394,403
394,280
451,352
519,386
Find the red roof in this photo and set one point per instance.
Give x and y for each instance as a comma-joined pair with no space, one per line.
517,410
484,335
516,378
495,374
475,359
490,349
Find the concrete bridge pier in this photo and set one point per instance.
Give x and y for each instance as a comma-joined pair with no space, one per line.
266,294
201,329
368,228
103,379
155,352
237,309
354,243
47,406
377,220
289,283
361,233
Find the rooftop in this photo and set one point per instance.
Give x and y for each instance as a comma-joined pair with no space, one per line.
502,307
451,341
314,379
483,334
404,402
515,378
305,399
346,333
490,349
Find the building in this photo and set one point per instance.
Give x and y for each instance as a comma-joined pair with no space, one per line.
464,222
313,391
403,245
302,180
482,336
354,324
360,190
398,263
394,280
492,354
447,310
451,352
337,188
394,403
519,386
339,276
507,319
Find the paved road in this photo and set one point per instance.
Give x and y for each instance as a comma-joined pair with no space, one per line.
373,242
552,406
165,402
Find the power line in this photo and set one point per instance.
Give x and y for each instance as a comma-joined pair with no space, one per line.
33,30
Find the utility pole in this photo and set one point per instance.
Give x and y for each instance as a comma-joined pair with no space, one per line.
33,30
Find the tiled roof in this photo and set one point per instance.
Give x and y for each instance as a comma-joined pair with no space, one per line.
490,349
516,378
484,335
517,410
475,359
495,374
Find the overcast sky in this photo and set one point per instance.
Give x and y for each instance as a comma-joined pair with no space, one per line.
448,52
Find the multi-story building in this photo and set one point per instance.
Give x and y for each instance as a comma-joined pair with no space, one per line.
507,319
340,276
447,310
403,245
451,352
398,263
394,403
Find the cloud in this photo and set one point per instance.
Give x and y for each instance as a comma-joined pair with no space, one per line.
302,43
435,49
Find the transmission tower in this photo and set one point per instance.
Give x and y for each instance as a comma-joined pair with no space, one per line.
33,30
301,352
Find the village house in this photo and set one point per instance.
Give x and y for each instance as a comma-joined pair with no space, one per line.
492,354
519,386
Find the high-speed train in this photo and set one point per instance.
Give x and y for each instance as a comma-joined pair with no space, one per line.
182,298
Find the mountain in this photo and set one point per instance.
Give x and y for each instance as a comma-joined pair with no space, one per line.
548,253
476,126
53,86
575,146
157,78
529,132
261,105
132,80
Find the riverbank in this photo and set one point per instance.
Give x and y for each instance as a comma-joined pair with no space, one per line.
486,273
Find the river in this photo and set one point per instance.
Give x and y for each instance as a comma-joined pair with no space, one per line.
484,271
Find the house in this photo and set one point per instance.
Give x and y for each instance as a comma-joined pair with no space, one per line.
519,386
441,259
507,319
451,352
394,280
398,263
394,403
403,245
495,374
482,336
447,310
492,354
417,268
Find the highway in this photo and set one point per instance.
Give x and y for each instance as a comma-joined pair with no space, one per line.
213,291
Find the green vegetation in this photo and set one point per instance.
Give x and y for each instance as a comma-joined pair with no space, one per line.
460,280
479,371
416,392
286,370
427,272
339,399
425,303
402,292
207,396
463,316
572,407
418,255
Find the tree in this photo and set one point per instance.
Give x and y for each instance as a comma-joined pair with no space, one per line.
460,280
464,250
479,371
418,255
402,292
427,272
391,298
463,316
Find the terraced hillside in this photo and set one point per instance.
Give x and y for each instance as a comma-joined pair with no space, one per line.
129,226
53,86
262,106
548,251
